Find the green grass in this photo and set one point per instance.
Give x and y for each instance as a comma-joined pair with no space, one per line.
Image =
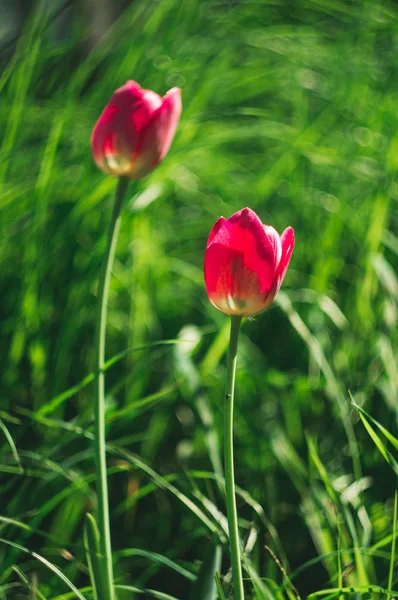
289,108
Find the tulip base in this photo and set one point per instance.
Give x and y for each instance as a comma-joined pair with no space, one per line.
232,515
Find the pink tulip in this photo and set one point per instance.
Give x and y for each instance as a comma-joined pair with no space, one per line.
135,130
245,263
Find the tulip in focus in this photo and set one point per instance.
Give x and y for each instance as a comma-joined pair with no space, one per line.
245,263
135,130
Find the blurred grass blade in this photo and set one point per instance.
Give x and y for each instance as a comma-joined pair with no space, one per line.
163,483
71,596
220,591
392,439
148,400
59,399
47,564
12,445
288,585
355,589
260,585
160,559
135,460
216,351
205,588
379,444
149,593
394,534
314,456
93,554
21,74
333,386
35,593
376,439
361,571
367,290
275,590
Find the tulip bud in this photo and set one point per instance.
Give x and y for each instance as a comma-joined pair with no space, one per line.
135,130
245,263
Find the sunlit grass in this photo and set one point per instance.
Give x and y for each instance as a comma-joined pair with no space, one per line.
288,110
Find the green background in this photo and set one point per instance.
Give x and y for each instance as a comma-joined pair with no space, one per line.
290,108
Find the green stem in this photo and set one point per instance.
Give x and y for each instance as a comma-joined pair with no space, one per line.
99,406
229,460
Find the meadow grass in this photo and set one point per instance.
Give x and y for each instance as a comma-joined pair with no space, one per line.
289,108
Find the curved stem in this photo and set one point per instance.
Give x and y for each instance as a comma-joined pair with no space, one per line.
99,405
229,460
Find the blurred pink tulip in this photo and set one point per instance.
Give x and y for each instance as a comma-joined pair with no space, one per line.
245,263
135,130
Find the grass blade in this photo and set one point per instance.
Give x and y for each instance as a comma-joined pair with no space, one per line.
160,559
47,564
220,591
394,532
205,588
93,553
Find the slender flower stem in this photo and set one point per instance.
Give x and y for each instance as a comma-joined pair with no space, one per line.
99,405
229,460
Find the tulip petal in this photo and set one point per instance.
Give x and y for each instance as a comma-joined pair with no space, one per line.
159,133
116,136
245,233
241,260
215,229
231,285
245,262
287,241
275,240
